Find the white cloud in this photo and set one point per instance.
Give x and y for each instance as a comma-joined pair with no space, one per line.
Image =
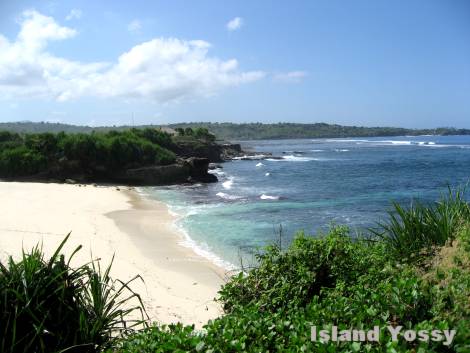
160,70
234,24
74,14
292,76
135,26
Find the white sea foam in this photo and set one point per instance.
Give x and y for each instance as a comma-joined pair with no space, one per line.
259,164
228,183
382,142
267,174
394,142
316,150
297,158
225,196
268,197
217,171
345,140
202,249
253,157
341,150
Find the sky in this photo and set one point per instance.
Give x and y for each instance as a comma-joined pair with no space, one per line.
371,63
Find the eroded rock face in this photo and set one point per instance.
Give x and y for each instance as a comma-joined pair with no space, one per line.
156,175
199,170
216,153
192,169
212,151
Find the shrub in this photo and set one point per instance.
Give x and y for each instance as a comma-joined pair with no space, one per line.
335,280
80,147
47,306
293,277
155,136
21,161
31,153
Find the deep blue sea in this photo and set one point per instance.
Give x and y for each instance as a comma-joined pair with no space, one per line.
319,182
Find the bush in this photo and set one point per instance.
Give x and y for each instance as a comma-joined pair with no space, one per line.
21,161
293,277
29,154
47,306
337,280
155,136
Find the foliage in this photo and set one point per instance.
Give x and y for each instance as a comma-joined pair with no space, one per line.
423,226
291,278
48,306
337,280
21,161
258,131
199,133
114,150
247,131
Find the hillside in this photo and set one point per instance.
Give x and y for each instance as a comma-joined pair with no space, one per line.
253,131
247,131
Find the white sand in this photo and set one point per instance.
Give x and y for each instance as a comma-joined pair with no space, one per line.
179,284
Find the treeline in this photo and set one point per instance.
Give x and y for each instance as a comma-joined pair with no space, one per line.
247,131
254,131
30,154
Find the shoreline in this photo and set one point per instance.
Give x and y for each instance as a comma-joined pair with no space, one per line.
185,239
189,281
108,221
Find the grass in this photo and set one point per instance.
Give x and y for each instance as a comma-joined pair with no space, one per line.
48,306
422,227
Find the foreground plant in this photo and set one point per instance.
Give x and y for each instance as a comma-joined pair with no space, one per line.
337,280
48,306
422,227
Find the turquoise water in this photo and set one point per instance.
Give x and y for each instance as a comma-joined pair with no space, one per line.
318,183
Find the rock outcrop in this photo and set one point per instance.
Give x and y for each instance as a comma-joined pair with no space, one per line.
216,153
189,170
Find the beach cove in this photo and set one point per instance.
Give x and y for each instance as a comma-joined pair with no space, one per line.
179,285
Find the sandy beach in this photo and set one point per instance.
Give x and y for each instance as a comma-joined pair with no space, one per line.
179,284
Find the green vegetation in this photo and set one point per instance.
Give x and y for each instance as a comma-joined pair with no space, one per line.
335,279
48,306
421,227
258,131
412,271
95,153
198,133
247,131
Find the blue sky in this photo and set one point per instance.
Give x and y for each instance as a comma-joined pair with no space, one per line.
377,62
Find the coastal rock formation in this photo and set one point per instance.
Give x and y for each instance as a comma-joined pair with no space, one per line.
199,170
216,153
193,169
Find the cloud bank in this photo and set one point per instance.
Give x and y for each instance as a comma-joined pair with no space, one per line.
160,70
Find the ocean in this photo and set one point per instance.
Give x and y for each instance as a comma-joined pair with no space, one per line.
317,184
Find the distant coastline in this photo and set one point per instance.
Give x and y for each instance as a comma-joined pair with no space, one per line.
246,131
